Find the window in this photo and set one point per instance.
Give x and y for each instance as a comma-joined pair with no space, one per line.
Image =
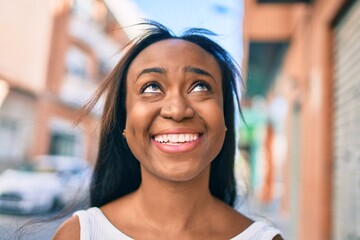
82,9
62,144
76,63
65,140
8,135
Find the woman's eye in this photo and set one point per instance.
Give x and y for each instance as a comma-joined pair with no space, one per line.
151,88
201,86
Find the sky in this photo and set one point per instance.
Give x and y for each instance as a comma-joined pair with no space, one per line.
224,17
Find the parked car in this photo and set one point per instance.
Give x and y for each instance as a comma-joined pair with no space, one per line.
48,183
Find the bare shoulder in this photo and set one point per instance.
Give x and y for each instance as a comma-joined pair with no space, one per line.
232,222
69,230
242,221
245,222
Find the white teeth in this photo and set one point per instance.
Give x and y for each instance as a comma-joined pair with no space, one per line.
187,138
176,138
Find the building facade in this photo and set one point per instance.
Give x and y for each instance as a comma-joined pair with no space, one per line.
302,57
54,54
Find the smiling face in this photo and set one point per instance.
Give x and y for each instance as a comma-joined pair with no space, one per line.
175,122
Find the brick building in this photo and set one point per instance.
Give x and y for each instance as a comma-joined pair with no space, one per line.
53,56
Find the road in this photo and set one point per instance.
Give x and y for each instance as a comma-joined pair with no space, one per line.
13,227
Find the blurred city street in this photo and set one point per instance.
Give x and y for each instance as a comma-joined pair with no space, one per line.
10,225
298,159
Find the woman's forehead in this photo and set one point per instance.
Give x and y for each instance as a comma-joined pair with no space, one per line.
174,44
175,50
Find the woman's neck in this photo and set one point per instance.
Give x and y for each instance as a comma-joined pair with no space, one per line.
180,210
176,205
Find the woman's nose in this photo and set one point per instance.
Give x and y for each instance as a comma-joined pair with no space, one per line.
177,108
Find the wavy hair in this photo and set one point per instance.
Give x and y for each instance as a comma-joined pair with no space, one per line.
117,171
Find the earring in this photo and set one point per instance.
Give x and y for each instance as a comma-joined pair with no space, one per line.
225,129
124,133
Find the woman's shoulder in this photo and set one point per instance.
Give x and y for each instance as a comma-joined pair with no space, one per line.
242,227
227,221
70,230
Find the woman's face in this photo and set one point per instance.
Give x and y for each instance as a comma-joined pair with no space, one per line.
175,123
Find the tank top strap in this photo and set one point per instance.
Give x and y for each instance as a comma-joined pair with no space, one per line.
95,226
85,226
258,231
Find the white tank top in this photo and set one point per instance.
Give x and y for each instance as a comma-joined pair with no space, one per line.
95,226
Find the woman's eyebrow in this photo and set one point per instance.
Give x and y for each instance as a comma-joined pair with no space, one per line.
151,70
199,71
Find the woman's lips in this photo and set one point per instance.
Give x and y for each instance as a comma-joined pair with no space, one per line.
176,142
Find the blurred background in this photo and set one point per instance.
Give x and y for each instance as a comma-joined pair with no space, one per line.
299,151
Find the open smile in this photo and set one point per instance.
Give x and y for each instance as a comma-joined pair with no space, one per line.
177,142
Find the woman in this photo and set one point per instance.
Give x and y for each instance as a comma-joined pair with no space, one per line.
166,157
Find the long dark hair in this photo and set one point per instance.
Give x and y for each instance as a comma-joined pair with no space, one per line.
117,171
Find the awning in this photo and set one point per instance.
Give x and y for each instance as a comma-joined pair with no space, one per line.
265,59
